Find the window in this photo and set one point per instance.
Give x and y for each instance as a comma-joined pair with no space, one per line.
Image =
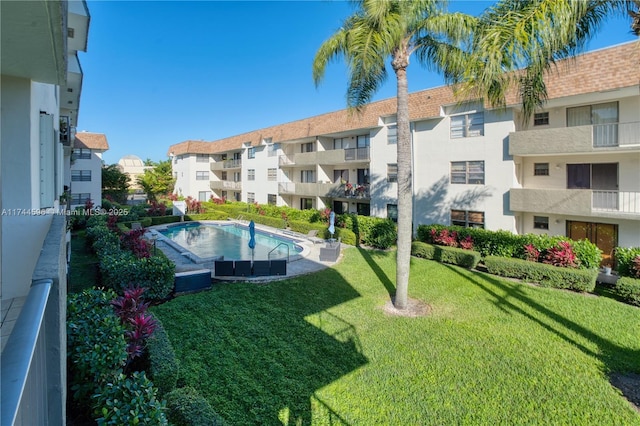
362,141
541,118
237,176
468,219
306,203
272,174
601,176
223,176
251,174
271,199
392,172
272,150
81,154
541,169
363,177
204,195
392,134
251,197
80,198
267,141
541,222
467,172
341,143
307,176
81,175
363,209
307,147
392,212
603,117
202,175
202,158
467,125
251,153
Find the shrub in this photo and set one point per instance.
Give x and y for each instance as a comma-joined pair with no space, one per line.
625,257
561,255
133,242
465,258
143,221
161,220
129,401
382,235
212,215
163,362
543,274
96,345
629,289
187,407
120,270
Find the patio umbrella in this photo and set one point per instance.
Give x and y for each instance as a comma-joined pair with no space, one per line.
252,238
332,221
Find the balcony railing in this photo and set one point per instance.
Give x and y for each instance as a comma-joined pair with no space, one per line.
226,185
616,134
24,362
226,164
616,201
356,154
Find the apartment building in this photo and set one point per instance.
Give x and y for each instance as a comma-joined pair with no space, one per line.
573,170
86,168
41,82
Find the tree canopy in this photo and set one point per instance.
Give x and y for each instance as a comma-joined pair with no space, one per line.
157,180
115,183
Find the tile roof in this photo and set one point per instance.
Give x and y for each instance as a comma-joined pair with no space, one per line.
605,69
97,141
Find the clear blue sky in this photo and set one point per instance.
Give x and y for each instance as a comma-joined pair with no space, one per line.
159,72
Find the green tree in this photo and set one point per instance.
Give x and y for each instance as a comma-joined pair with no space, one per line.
380,30
528,36
157,180
115,183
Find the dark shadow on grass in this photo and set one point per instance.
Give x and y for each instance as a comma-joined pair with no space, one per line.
261,353
614,357
382,276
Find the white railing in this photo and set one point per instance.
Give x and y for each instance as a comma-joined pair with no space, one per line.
616,134
287,187
616,201
285,160
24,398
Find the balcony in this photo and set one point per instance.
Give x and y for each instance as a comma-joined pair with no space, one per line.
577,202
226,164
308,189
333,156
226,185
65,131
614,137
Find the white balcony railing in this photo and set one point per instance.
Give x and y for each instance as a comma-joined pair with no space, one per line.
616,201
616,134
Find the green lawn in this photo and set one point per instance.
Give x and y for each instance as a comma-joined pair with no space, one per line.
320,350
83,269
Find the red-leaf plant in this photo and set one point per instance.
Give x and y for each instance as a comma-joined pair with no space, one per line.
635,266
134,242
445,238
131,309
531,253
561,255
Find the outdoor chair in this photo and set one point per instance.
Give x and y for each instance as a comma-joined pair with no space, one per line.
242,268
223,268
261,268
278,267
313,237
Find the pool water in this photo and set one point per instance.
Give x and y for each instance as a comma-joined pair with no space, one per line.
230,241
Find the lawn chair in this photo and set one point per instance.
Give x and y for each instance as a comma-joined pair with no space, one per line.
313,237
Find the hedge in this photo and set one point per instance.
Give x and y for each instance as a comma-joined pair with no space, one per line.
543,274
161,220
155,273
144,221
624,259
186,407
465,258
164,366
629,289
213,215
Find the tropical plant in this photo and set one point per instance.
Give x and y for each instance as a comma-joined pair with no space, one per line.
157,180
528,36
392,29
115,183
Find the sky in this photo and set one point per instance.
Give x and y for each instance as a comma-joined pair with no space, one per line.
157,73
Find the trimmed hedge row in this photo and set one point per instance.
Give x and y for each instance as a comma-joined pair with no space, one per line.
629,289
161,220
543,274
624,259
465,258
212,215
188,408
162,358
122,268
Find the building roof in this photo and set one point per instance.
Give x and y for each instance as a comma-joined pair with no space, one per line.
611,68
97,141
131,161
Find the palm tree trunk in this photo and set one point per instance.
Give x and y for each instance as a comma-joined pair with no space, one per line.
405,196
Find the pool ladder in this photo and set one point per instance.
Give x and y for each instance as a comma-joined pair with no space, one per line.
276,247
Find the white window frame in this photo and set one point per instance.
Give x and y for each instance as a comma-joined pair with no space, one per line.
272,174
202,175
251,174
470,124
80,175
465,173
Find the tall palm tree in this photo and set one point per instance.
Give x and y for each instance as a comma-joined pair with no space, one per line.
528,36
380,30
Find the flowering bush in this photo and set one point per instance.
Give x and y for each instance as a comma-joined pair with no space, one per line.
561,255
193,205
466,243
445,237
157,209
133,242
217,201
531,253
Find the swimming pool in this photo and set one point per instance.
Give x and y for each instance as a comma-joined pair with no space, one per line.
231,241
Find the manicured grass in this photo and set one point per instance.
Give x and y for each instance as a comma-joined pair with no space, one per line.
320,350
83,269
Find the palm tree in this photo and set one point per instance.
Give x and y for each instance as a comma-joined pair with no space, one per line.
391,29
528,36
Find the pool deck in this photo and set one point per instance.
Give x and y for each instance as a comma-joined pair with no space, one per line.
308,263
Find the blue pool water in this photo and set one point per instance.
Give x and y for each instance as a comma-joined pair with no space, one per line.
230,241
